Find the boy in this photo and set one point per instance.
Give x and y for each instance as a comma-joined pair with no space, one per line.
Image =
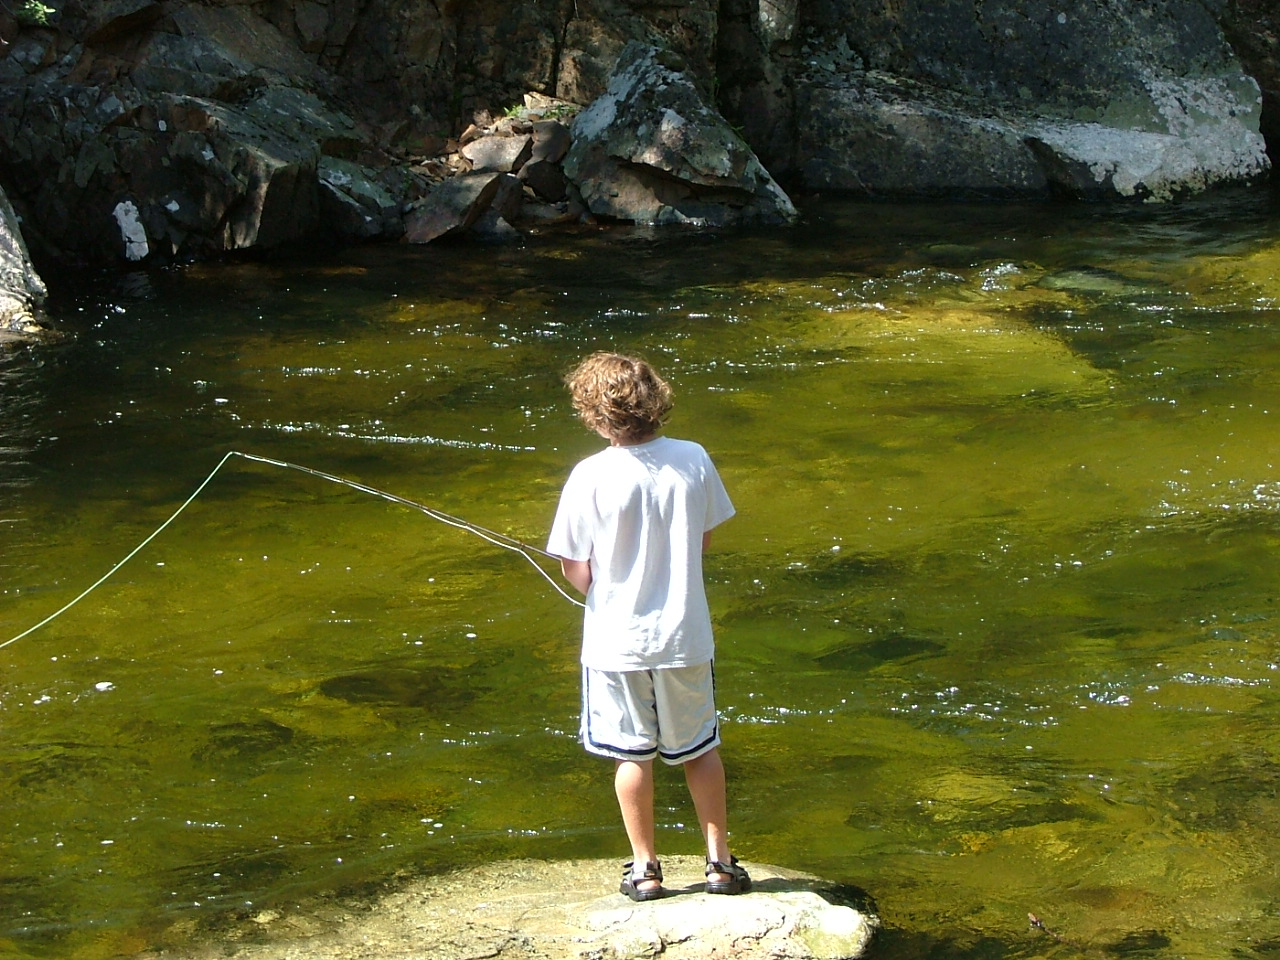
631,527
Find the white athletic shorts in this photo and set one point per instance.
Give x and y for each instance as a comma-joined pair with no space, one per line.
642,714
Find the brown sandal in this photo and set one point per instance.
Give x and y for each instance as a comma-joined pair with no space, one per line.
633,875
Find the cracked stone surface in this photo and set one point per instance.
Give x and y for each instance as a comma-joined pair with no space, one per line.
536,910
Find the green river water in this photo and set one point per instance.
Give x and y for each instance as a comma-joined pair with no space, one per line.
997,619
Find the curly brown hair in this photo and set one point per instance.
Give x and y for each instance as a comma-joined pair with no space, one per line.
619,396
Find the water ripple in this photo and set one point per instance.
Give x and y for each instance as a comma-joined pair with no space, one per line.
425,440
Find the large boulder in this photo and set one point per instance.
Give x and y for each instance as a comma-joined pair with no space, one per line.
21,289
980,98
457,204
652,150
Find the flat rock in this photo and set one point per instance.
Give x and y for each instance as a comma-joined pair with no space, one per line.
534,910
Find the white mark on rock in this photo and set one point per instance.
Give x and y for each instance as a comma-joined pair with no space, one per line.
132,230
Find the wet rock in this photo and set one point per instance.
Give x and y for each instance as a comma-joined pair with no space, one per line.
522,910
651,150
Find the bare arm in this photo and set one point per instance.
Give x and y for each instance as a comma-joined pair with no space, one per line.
578,573
706,541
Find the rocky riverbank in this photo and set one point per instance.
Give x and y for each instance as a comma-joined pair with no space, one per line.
148,131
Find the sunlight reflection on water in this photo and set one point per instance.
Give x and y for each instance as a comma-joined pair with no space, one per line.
995,618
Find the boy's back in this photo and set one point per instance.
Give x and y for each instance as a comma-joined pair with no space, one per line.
639,513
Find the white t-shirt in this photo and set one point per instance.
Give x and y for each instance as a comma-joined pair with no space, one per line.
638,514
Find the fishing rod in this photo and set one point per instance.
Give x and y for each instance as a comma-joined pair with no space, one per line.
502,540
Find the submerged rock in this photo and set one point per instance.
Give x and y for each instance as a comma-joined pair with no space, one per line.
532,910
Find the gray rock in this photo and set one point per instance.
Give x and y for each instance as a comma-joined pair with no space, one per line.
354,204
537,212
21,289
499,154
494,227
452,206
1095,100
546,179
551,141
892,139
509,199
888,137
650,150
1201,148
532,910
191,127
193,150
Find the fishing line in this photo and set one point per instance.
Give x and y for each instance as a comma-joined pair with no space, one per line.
497,539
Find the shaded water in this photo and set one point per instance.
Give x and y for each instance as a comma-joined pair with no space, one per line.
996,620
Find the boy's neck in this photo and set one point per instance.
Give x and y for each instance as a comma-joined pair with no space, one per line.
620,442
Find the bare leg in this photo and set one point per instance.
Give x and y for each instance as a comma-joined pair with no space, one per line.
705,776
633,783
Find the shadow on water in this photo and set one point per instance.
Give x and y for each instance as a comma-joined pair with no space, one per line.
431,691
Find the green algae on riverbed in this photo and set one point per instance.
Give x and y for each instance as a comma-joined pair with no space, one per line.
996,619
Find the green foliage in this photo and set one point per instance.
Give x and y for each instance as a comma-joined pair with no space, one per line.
33,13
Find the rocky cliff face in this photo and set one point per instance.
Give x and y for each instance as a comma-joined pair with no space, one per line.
136,129
1088,98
